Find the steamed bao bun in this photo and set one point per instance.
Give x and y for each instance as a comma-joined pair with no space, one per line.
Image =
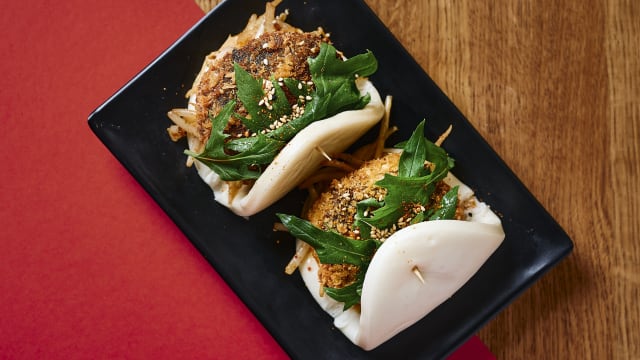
298,159
447,253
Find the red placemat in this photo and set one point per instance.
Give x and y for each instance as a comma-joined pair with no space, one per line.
90,266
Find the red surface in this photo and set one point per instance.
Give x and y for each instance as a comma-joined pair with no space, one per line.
90,266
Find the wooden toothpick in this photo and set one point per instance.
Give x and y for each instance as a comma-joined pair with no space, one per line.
418,274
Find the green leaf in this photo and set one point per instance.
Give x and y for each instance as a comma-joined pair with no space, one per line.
296,88
360,219
250,92
241,144
333,248
415,183
335,88
349,295
420,217
244,165
414,154
279,102
448,206
401,192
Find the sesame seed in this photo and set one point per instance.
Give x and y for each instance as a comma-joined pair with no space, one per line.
265,61
299,86
308,97
265,45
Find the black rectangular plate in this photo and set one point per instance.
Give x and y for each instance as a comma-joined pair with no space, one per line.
251,258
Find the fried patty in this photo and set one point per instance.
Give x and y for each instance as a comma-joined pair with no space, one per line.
273,55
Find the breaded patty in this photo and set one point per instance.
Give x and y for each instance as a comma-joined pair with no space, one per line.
273,55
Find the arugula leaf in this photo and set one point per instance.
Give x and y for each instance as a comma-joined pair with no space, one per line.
244,165
335,88
420,217
414,154
415,182
250,92
241,144
360,219
448,205
351,294
401,191
333,248
297,88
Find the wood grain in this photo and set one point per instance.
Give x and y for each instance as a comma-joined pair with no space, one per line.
554,88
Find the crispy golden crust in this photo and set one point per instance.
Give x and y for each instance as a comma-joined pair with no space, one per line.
336,207
273,55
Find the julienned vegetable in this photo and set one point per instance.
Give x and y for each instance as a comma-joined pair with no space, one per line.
398,236
264,102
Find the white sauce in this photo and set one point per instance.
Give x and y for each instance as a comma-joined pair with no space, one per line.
446,252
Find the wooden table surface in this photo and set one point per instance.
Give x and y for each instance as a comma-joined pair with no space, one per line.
554,88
